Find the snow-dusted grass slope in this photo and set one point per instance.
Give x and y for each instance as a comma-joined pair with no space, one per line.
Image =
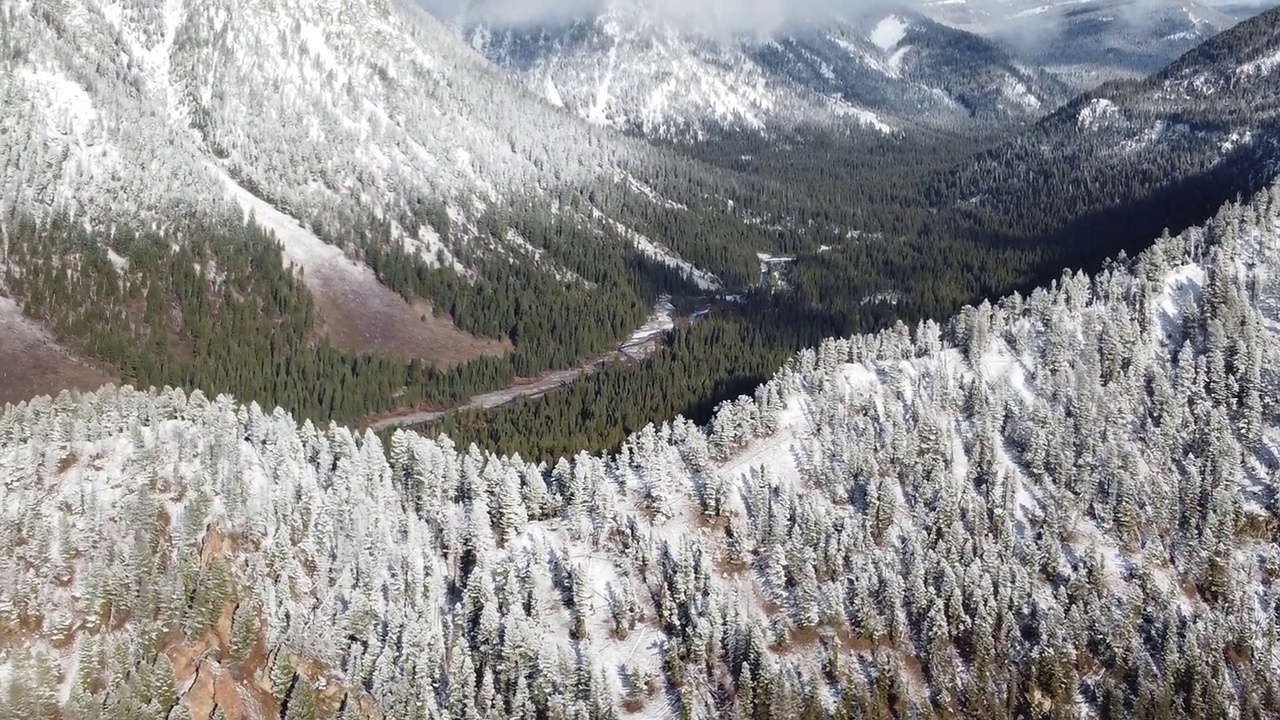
1081,478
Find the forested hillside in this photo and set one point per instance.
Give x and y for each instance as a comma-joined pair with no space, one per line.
442,232
1117,164
1090,41
1059,505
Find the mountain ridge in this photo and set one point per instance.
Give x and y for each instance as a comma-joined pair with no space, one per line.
634,71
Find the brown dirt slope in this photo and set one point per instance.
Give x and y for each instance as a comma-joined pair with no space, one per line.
32,363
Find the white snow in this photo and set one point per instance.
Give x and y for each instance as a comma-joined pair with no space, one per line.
857,377
1181,286
1016,91
703,279
301,246
70,668
552,93
69,108
895,60
1261,66
430,247
313,38
598,113
653,195
1097,111
864,117
663,319
1031,11
1000,366
119,261
889,32
774,455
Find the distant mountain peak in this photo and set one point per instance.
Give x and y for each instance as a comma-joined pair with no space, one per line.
625,66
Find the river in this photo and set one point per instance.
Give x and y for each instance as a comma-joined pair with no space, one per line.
643,343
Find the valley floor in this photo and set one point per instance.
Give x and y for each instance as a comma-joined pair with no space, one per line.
641,344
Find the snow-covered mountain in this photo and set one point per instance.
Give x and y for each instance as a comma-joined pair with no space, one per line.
1088,41
324,119
1134,156
1061,503
631,67
323,107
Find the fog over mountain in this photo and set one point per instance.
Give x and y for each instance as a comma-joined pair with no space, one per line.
706,15
730,16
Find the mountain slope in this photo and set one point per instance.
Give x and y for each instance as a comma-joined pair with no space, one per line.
324,107
1091,41
310,115
1063,503
437,214
633,68
1132,157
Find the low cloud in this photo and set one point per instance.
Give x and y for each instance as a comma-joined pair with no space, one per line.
737,16
710,15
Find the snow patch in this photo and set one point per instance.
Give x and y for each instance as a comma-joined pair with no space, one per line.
703,279
1017,92
889,32
1098,111
552,93
68,107
1261,66
864,117
662,320
1181,286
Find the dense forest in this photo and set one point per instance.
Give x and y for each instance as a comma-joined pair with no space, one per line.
561,250
1059,504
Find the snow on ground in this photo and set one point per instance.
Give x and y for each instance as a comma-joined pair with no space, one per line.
313,39
552,93
599,110
70,669
703,279
864,117
1261,66
1031,11
653,195
1017,92
999,365
857,378
775,455
430,248
1097,111
858,52
541,261
661,320
70,110
889,32
895,60
1181,286
322,262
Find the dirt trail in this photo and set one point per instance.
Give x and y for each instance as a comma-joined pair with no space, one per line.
642,343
